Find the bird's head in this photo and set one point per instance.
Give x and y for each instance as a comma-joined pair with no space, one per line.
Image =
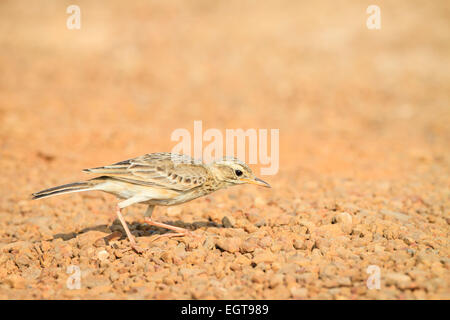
232,171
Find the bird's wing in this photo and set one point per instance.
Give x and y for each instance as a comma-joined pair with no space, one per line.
166,170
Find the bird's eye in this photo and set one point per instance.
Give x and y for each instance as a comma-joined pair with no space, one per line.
238,173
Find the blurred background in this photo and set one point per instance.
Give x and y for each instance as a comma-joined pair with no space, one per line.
357,109
343,96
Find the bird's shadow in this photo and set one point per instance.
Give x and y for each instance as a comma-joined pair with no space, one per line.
138,229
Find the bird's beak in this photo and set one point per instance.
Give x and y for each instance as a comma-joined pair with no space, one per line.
256,181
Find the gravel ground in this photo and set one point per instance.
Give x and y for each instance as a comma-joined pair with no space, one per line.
364,155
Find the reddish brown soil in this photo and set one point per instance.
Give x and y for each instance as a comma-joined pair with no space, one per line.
364,147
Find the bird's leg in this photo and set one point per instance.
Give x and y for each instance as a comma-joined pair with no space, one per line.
179,231
168,235
166,226
129,235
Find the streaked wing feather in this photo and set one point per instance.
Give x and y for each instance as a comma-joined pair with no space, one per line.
166,170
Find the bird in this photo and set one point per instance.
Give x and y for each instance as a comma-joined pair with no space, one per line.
160,179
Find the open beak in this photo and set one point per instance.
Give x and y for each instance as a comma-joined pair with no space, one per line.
256,181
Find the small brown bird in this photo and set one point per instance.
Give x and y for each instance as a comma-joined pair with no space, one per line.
160,179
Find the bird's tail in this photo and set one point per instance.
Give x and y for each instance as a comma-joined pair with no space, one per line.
66,188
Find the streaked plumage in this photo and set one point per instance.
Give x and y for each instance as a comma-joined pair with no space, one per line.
160,179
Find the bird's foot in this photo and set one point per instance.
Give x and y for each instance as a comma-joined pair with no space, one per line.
179,232
166,226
